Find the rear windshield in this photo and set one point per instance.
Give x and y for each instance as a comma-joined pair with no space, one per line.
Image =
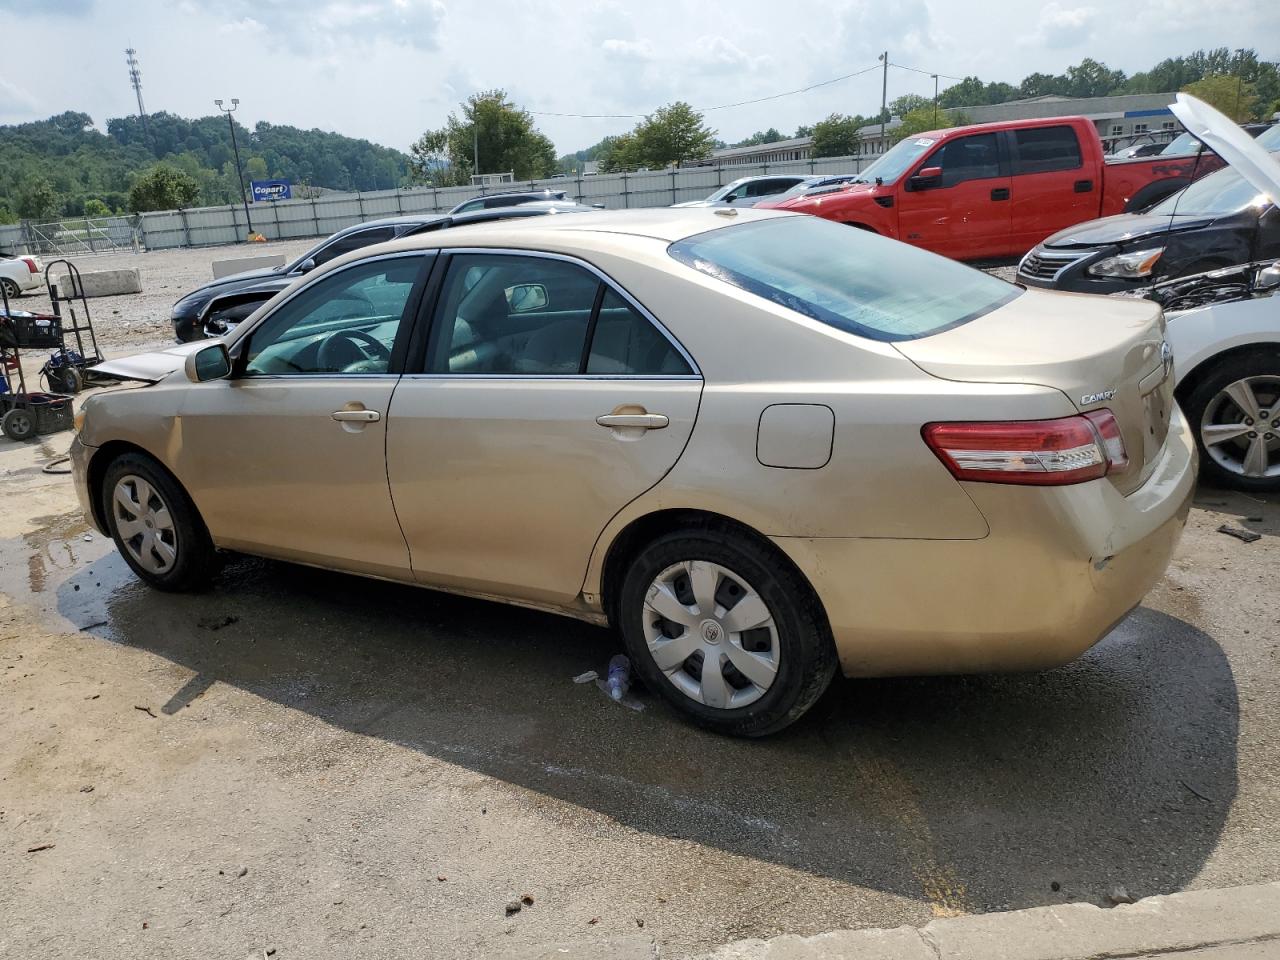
845,277
1222,192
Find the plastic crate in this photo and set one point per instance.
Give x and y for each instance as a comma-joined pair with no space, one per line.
35,331
51,413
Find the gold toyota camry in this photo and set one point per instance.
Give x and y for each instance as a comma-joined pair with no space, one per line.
762,446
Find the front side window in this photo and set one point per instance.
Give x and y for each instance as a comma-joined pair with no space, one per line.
512,315
849,279
967,158
352,241
1046,149
344,323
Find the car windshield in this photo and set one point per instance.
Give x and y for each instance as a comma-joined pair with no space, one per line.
895,163
1222,192
724,191
850,279
1270,138
1181,146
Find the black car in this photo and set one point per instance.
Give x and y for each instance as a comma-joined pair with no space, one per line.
1219,221
207,310
493,200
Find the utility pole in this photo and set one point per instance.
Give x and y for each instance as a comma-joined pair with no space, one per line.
135,78
244,197
884,98
935,99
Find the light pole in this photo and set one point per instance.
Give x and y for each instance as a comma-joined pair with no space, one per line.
935,99
244,197
884,97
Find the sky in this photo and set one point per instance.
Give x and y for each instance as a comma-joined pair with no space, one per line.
386,70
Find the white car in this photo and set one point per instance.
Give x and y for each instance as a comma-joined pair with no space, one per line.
1226,348
20,274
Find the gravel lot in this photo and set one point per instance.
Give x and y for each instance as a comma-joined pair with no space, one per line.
332,767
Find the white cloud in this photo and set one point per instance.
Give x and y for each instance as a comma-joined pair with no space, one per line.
17,101
1061,27
721,55
628,49
335,26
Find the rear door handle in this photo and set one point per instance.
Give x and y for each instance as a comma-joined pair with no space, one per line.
1000,193
1084,186
644,421
357,416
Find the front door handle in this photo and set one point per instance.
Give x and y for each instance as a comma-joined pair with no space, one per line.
642,421
1000,193
1084,186
357,416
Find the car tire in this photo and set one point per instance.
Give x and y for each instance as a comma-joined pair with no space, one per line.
156,527
18,424
1210,403
793,657
11,289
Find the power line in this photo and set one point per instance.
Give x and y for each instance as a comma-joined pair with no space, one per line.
720,106
927,73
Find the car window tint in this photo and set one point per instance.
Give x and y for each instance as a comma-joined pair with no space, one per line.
968,158
626,343
353,241
516,315
849,279
344,323
1045,149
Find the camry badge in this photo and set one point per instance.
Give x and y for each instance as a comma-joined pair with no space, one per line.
1089,398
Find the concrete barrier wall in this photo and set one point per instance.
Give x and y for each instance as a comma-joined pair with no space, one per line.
103,283
225,268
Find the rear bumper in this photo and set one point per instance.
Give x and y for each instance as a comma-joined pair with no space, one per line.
31,281
1060,568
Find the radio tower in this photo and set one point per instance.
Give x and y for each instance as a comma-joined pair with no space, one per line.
135,77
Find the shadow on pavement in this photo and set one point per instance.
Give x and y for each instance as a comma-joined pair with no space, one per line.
969,793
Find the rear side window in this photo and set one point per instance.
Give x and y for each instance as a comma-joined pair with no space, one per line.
849,279
1045,149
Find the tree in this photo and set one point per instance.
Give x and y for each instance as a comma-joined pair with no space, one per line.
1234,96
163,188
772,135
93,207
36,200
836,136
614,154
502,134
908,102
923,119
672,135
1089,78
804,131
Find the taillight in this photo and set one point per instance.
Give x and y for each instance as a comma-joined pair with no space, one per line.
32,266
1037,452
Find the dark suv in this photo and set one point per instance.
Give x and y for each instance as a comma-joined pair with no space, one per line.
207,310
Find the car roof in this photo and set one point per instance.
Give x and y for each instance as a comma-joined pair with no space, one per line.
667,224
409,219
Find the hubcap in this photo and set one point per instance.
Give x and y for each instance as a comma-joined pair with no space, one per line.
1230,427
711,634
144,524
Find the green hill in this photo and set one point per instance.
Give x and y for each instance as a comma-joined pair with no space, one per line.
52,168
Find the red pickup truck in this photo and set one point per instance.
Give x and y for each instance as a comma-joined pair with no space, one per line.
997,189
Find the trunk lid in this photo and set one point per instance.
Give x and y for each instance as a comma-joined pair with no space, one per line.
1100,352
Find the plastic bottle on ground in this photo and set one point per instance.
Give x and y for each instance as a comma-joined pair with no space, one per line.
619,676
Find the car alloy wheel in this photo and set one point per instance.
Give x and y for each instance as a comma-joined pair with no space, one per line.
1240,427
144,524
711,634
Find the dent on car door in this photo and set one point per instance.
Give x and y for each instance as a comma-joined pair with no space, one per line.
286,458
964,212
548,401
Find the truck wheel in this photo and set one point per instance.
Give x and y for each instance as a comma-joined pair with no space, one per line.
156,527
724,632
18,424
1235,413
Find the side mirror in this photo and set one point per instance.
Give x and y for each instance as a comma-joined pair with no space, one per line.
926,178
307,265
210,363
730,197
1268,278
524,297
